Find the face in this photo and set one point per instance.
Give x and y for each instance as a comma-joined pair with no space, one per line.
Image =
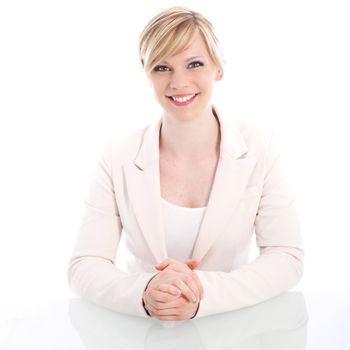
183,83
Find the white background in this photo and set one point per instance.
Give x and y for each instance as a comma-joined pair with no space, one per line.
70,80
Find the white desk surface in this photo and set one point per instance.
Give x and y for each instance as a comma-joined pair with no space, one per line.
291,321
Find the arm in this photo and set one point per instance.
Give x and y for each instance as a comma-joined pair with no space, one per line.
91,271
280,264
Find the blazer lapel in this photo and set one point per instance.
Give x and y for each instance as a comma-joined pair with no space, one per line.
143,185
143,182
231,177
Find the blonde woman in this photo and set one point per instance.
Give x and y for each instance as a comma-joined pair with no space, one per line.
188,193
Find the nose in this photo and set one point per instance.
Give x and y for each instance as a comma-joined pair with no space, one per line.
179,80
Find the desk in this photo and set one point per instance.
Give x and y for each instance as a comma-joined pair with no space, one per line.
290,321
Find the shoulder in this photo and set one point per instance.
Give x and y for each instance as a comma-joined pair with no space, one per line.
124,146
265,142
257,136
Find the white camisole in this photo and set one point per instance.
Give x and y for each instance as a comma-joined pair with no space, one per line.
181,227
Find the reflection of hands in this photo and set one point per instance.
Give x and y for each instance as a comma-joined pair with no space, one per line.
278,323
163,295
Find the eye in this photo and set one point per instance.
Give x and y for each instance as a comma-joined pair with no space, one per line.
196,64
160,68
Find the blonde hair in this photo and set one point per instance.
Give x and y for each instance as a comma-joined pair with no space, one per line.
171,31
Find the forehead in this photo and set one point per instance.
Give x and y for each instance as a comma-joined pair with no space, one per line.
195,49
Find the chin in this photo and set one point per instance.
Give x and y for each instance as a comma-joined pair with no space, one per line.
184,116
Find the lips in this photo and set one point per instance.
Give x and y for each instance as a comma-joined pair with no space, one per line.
182,103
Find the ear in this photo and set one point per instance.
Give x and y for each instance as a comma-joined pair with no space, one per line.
219,75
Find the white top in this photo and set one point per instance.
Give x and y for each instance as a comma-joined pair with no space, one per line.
181,226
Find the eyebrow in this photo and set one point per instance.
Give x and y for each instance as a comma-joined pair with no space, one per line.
189,59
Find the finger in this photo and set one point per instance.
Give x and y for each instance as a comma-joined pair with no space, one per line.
186,290
192,284
150,303
192,281
167,312
198,284
168,288
181,268
155,295
192,274
176,303
171,311
155,307
161,266
158,294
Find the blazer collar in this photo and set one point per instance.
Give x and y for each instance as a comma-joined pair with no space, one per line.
142,179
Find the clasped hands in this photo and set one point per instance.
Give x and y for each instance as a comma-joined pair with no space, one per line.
175,292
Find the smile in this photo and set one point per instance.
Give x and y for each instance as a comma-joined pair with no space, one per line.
182,101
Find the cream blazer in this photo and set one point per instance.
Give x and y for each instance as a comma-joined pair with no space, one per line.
250,194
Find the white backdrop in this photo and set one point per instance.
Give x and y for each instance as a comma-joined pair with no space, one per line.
70,80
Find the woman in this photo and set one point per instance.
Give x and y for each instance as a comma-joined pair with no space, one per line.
187,193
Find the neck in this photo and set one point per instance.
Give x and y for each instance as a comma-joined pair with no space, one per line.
197,139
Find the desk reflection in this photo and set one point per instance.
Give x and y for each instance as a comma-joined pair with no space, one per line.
279,323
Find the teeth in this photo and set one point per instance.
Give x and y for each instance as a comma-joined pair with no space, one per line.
182,99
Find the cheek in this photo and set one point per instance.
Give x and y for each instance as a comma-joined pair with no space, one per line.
159,87
205,81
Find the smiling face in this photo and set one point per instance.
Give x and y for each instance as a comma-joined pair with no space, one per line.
183,83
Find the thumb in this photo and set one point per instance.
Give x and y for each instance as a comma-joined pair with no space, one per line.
161,266
192,264
165,263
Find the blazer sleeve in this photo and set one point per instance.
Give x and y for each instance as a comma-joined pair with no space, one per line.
279,265
91,270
